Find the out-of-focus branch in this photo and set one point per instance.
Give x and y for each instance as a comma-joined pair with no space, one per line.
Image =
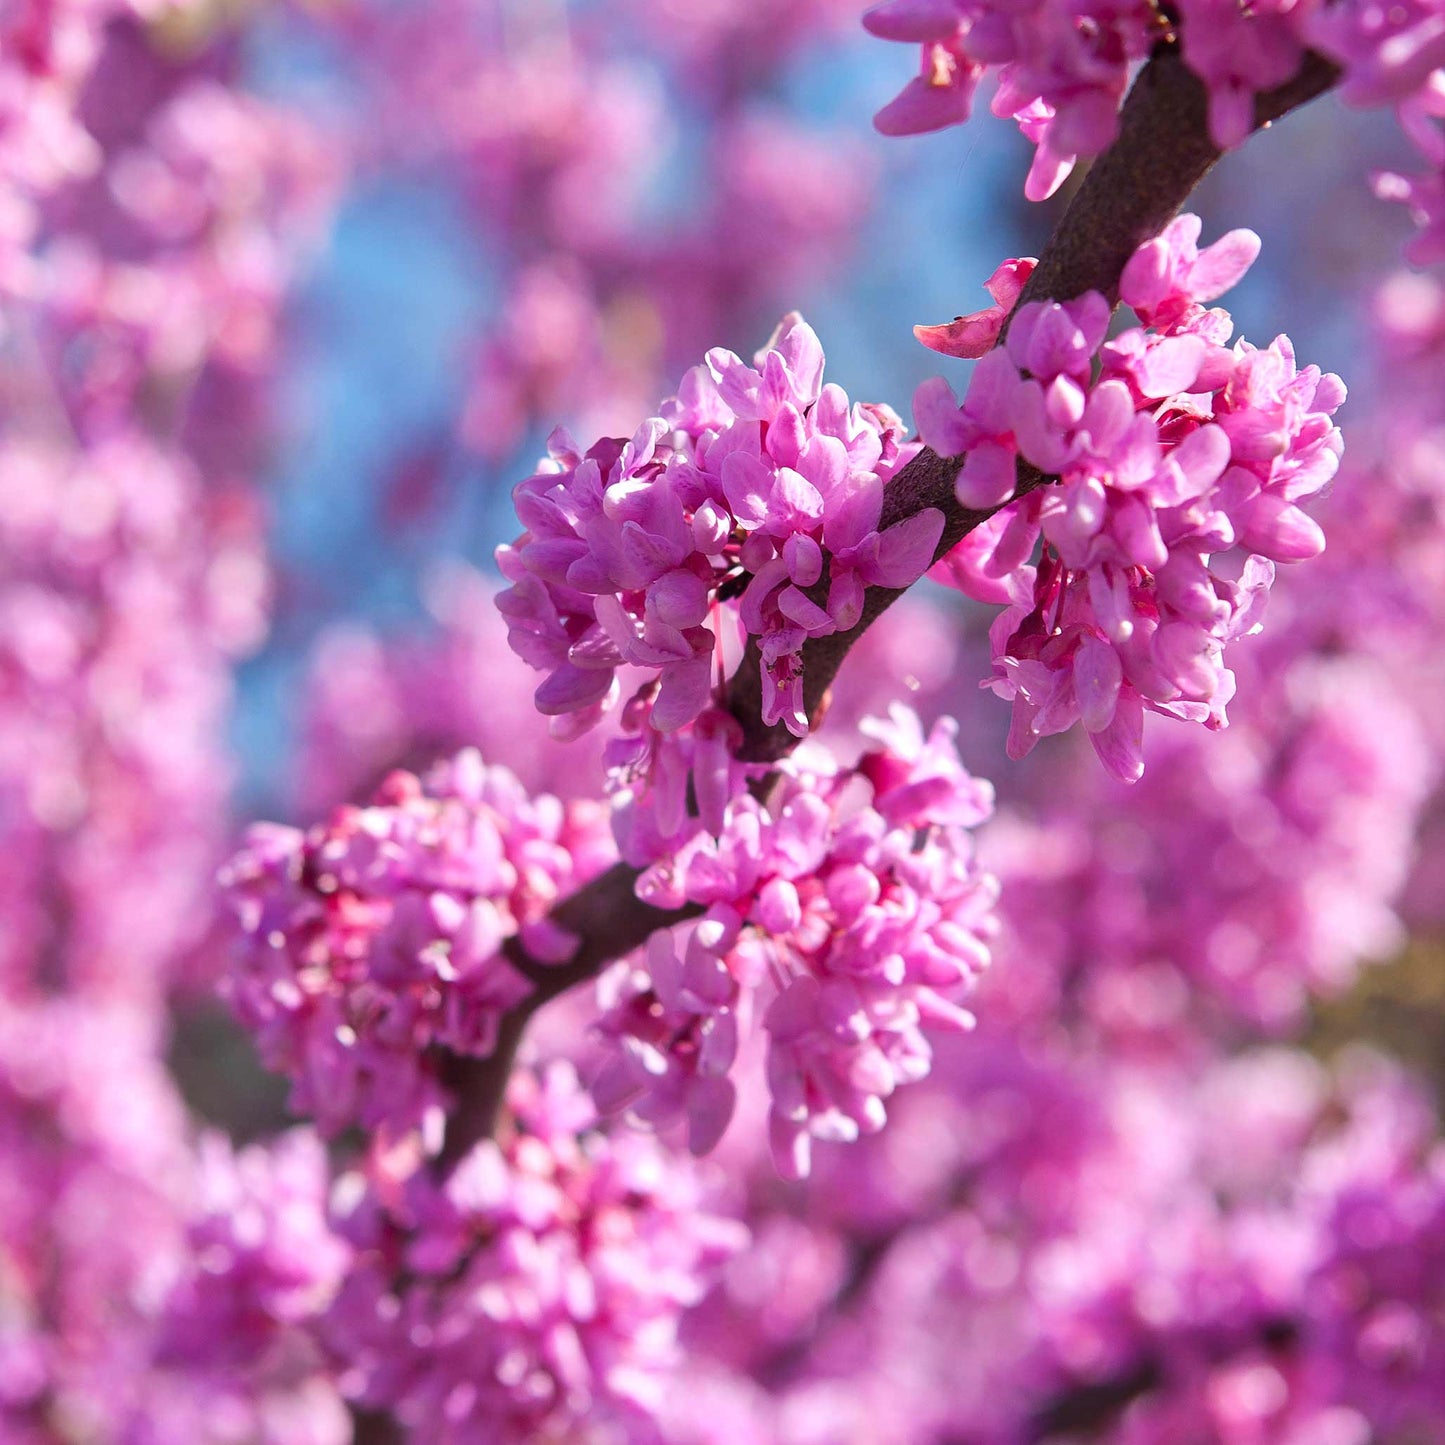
1162,152
374,1427
1088,1408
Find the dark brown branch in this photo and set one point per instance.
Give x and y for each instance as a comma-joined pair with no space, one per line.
1088,1408
374,1427
1162,152
610,921
927,481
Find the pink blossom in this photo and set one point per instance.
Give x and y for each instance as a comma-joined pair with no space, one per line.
266,1257
749,479
676,1024
1062,71
1422,119
1177,450
1168,278
545,1280
852,931
1387,52
1238,54
971,336
370,938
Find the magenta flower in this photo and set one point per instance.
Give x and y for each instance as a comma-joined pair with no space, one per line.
544,1282
1178,449
971,336
368,939
1388,53
752,479
1062,71
852,932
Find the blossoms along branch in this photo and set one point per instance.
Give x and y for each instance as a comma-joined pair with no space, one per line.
700,568
754,481
683,1044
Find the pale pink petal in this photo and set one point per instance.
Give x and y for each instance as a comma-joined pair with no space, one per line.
905,551
1120,746
1098,674
913,20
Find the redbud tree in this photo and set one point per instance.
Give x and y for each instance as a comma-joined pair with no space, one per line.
838,934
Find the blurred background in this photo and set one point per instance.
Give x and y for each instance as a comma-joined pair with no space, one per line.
293,295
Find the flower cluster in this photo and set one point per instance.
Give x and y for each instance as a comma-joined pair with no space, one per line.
165,277
48,52
150,222
263,1252
1177,449
235,1353
1092,1239
381,933
541,1286
1063,66
751,480
230,193
1063,69
853,927
1267,1297
1245,875
92,1136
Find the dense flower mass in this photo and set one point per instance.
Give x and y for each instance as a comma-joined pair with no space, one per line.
1181,467
151,221
1248,874
374,937
235,1353
851,929
151,1293
92,1137
541,1286
751,476
49,50
1063,66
